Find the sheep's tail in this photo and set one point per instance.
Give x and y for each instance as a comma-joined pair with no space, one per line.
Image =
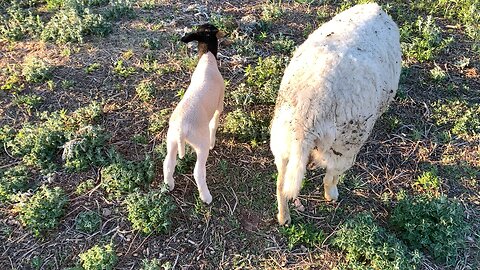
181,145
296,167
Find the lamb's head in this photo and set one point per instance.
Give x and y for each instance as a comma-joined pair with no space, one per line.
207,36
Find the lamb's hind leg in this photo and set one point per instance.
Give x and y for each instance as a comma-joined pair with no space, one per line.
200,143
212,126
283,215
170,162
330,182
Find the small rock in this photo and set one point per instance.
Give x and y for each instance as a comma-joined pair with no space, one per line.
106,212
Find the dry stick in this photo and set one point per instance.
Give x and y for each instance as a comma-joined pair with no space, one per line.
141,244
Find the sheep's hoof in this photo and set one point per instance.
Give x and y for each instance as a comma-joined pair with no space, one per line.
206,198
331,194
284,219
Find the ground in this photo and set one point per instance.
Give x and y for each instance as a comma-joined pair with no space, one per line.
431,127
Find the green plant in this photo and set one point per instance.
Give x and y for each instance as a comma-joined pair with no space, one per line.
271,12
119,9
245,46
36,70
124,176
17,24
145,90
13,181
150,212
246,127
369,246
153,264
84,186
283,44
428,180
12,83
88,221
264,79
458,116
99,258
302,233
121,70
183,165
159,120
225,23
438,74
85,148
434,224
39,144
422,39
92,67
42,211
83,116
28,101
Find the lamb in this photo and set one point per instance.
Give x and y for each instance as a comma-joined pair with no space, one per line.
195,119
339,81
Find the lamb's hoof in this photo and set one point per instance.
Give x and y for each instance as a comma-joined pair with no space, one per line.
284,219
331,194
206,198
170,184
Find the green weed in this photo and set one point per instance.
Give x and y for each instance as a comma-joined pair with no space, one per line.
99,258
12,181
283,44
92,67
437,74
119,9
303,233
121,70
88,222
17,24
28,101
159,120
247,127
42,211
369,246
150,212
225,23
184,165
460,117
145,90
434,224
36,70
429,180
264,79
85,148
124,176
84,186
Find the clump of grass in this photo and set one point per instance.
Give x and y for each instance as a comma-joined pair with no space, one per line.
124,176
302,233
422,39
369,246
42,211
84,115
99,258
119,9
13,83
28,101
460,117
283,44
39,144
271,12
12,181
85,148
18,24
225,23
88,222
36,70
264,78
145,90
72,24
121,70
150,212
84,186
159,120
437,74
246,127
429,180
92,67
434,224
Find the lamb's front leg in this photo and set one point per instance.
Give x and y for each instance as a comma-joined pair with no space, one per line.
199,173
330,182
212,126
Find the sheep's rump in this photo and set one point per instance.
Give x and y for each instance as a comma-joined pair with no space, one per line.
338,82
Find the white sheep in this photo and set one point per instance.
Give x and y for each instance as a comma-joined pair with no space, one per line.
195,119
339,81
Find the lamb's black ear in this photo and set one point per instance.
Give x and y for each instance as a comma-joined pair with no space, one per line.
190,37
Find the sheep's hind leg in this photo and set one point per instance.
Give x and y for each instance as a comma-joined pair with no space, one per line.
330,182
169,163
283,215
213,125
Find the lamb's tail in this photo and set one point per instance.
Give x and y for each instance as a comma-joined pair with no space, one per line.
297,162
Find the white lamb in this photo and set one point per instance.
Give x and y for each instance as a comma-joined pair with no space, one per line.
339,81
195,119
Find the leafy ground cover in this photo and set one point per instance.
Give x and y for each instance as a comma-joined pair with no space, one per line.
86,89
